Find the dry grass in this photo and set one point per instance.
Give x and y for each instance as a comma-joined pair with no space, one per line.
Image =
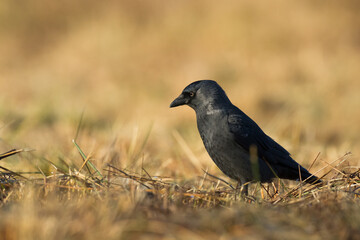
104,74
118,204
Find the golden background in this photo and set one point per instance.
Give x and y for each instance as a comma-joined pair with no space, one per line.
292,66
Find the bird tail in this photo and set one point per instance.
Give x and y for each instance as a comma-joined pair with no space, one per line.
314,180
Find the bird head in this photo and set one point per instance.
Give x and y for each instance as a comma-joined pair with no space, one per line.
201,93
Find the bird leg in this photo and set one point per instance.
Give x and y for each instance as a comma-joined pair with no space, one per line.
266,187
242,188
237,189
274,188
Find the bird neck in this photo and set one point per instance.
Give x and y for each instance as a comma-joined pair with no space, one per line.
212,108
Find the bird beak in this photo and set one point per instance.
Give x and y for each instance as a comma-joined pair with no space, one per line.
180,100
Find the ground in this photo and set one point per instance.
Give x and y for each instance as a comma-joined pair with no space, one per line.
85,94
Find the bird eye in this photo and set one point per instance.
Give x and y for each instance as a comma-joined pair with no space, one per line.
191,94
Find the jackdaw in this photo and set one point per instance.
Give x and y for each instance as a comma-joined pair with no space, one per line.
233,140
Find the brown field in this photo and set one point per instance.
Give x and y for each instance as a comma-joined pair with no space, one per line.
104,73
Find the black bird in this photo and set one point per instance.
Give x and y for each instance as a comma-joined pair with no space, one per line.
233,139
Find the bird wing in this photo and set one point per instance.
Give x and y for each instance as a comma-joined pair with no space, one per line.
247,133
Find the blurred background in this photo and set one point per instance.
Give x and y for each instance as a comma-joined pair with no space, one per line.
291,66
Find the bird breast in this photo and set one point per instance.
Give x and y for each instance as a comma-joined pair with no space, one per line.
223,150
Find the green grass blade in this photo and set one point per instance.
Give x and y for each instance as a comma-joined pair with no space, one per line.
88,162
